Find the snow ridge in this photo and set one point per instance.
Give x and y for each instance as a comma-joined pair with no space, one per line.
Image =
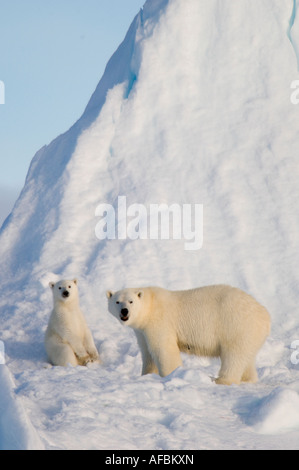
16,430
289,31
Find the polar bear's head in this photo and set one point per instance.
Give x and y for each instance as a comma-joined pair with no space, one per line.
64,291
127,306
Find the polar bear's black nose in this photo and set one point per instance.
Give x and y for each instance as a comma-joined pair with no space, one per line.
65,293
124,311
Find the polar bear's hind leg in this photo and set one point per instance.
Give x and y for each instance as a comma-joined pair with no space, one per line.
61,354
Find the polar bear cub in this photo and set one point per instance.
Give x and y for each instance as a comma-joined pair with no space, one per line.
214,321
68,340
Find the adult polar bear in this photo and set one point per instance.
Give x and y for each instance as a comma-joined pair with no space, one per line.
214,321
68,340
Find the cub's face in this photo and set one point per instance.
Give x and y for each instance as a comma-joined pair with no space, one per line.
126,306
64,291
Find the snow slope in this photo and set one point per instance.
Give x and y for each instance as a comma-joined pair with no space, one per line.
194,107
17,431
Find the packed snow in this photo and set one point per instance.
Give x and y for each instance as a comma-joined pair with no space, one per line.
193,108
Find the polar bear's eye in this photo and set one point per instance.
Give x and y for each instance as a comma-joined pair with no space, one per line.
70,287
117,302
59,288
131,301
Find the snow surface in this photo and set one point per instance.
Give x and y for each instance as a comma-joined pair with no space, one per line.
194,107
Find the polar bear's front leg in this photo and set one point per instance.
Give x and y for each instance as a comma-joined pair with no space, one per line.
90,347
148,364
78,348
166,354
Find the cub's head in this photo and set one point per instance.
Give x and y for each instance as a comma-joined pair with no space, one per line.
127,306
64,291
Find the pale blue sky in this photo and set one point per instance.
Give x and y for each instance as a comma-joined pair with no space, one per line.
52,56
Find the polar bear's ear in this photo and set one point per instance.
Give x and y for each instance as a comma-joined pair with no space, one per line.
140,294
52,284
109,294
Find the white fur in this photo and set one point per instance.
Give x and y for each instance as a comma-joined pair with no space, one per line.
215,321
68,340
